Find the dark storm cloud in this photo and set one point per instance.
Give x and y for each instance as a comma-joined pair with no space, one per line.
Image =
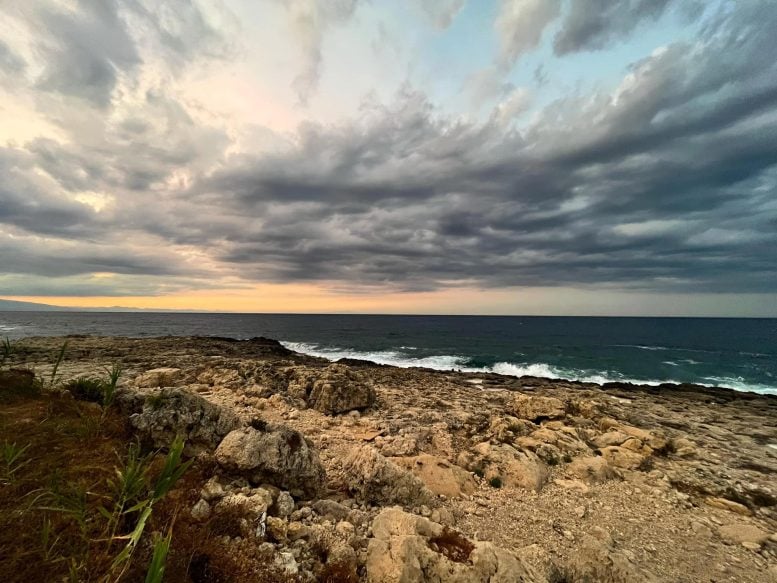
668,184
593,24
85,49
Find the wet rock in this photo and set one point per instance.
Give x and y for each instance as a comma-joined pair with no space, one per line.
439,475
375,479
159,416
277,454
408,548
537,409
340,389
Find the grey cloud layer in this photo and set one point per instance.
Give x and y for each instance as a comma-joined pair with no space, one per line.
669,183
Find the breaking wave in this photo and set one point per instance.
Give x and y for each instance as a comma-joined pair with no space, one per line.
540,369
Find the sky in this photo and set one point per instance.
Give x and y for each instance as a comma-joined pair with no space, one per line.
576,157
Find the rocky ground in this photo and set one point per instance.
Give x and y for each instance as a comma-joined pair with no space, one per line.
359,472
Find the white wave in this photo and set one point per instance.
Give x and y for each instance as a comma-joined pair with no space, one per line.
539,369
391,357
669,362
7,328
643,347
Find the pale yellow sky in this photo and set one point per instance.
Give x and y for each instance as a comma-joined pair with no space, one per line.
307,298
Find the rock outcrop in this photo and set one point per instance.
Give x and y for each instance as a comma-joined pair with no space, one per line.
340,389
411,549
159,416
377,480
537,409
274,454
439,475
511,466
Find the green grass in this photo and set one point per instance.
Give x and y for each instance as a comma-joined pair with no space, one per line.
6,351
13,460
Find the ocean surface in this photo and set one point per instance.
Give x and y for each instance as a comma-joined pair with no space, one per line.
736,353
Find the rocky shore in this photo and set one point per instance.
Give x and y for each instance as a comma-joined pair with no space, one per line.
353,471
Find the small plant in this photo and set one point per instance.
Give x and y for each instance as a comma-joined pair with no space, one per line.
87,389
6,350
109,388
60,358
12,460
171,472
156,400
479,472
495,482
156,570
47,542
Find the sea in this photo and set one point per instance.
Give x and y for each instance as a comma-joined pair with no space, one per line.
736,353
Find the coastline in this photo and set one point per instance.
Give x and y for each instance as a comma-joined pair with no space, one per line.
666,483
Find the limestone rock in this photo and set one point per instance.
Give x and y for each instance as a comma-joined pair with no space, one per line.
515,468
17,380
621,457
160,415
592,469
598,560
201,510
331,509
373,478
742,532
410,549
340,389
158,377
439,475
284,505
278,455
537,409
726,504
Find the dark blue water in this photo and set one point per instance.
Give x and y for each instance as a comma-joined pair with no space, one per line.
736,353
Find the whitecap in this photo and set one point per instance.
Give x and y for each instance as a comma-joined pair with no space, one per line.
539,369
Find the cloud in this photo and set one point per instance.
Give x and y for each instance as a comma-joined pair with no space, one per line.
520,26
593,24
310,21
442,12
665,182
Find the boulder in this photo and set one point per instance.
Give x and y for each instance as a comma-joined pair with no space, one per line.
597,559
158,377
537,409
409,549
277,455
622,457
17,380
160,415
592,469
653,439
439,475
513,467
377,480
743,533
340,389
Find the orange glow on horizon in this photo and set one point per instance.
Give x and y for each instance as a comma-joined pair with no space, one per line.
287,298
